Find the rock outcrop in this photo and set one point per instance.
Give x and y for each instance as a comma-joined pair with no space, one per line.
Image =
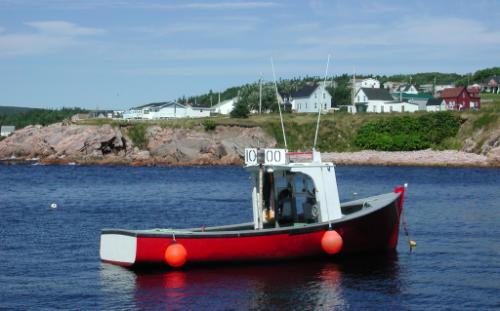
106,144
224,145
59,143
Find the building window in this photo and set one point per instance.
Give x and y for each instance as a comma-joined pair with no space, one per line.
324,95
315,105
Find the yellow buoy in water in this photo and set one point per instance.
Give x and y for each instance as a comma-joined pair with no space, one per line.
412,243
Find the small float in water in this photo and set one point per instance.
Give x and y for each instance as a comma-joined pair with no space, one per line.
296,213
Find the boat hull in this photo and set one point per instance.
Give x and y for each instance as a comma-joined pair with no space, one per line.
368,231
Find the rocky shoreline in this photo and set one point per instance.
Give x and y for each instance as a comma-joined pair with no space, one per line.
107,145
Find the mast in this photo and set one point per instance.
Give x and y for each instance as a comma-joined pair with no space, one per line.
279,105
319,108
353,110
260,94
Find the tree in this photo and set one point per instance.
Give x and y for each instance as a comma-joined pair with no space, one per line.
240,110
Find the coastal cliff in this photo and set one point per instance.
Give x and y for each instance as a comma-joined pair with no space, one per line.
105,144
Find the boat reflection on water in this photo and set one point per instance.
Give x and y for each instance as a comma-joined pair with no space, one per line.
310,284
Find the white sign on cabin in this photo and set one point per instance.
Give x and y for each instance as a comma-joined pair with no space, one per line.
271,156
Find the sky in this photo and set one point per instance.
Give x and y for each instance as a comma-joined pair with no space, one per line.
116,54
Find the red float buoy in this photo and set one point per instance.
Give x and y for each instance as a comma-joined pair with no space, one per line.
331,242
175,255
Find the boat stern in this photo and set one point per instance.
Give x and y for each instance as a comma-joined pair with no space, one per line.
118,248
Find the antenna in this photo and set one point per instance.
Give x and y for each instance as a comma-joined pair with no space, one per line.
319,109
279,106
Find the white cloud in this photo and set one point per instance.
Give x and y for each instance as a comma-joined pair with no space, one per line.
63,28
47,36
210,28
223,5
209,54
148,5
435,32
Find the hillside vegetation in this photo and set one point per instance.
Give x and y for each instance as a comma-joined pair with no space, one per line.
21,117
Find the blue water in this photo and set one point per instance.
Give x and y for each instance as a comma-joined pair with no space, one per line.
49,259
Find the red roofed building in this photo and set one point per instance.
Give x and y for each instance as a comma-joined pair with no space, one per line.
458,98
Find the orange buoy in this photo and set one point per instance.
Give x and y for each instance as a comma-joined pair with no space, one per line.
331,242
175,255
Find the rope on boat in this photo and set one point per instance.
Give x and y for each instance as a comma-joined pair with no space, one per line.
173,236
411,243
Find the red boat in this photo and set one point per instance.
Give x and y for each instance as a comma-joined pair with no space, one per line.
297,213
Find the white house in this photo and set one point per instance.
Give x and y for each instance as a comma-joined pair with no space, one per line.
6,130
391,86
435,104
225,107
379,101
366,83
310,98
407,89
166,110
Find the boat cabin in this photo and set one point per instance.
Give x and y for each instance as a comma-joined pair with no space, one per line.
287,193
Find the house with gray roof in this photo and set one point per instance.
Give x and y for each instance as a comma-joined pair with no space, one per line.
310,98
492,85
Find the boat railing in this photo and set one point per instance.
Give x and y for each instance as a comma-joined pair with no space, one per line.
300,157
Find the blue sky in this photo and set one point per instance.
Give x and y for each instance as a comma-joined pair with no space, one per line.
120,53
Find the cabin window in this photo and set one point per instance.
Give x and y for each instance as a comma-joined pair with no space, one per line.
289,198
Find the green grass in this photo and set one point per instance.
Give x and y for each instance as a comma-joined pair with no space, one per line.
490,102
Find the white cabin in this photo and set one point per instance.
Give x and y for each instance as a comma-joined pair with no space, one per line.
166,110
287,193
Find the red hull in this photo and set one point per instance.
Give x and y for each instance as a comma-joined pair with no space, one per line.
374,231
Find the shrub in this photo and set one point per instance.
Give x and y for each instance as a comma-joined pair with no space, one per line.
407,133
137,133
209,124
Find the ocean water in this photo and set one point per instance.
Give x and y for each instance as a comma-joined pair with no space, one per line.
49,258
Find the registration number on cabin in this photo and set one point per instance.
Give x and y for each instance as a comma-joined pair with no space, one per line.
267,156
